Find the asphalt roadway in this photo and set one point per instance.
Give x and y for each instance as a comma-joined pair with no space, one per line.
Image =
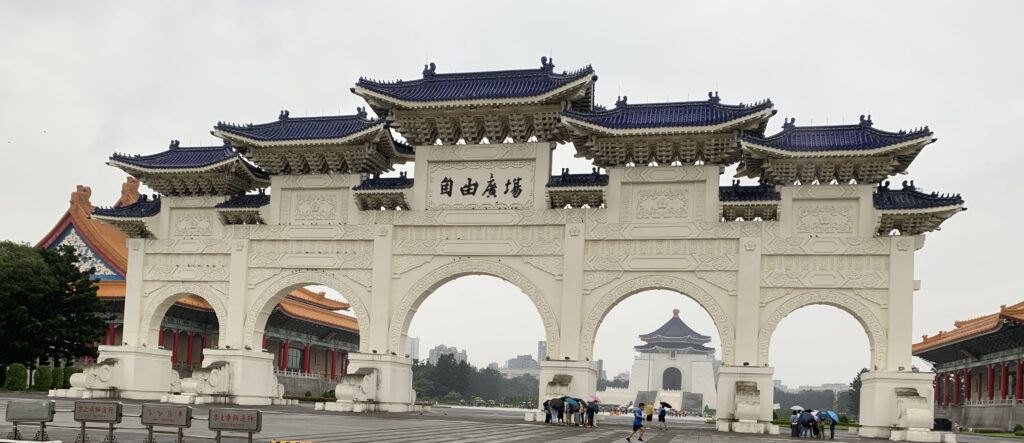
440,425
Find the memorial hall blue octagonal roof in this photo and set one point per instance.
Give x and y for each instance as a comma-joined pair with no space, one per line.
859,137
665,115
476,85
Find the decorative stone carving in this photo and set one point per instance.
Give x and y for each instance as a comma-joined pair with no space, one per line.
258,312
192,223
662,202
726,330
824,219
402,313
824,191
724,280
479,240
187,246
551,265
826,245
879,297
663,254
364,277
257,276
311,254
664,174
502,151
180,267
825,271
595,279
315,207
400,264
849,303
466,185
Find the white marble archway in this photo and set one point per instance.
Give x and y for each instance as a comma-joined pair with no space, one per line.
721,317
259,311
161,300
401,316
874,329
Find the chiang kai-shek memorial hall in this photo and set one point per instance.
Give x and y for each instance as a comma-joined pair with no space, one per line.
820,228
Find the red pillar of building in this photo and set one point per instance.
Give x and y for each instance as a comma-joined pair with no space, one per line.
945,389
1019,392
202,347
1004,380
334,362
305,359
327,355
284,355
160,339
188,353
174,350
991,382
967,385
264,341
110,336
956,388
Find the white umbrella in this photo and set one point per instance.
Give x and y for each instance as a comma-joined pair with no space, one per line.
796,408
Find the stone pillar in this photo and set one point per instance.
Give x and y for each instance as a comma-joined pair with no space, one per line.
131,332
748,296
188,351
991,381
392,391
1019,391
380,295
572,298
250,375
566,377
956,388
1004,381
899,332
174,350
884,393
234,333
967,385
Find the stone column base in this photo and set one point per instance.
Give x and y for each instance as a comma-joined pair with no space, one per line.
573,378
250,374
886,410
374,383
128,372
745,399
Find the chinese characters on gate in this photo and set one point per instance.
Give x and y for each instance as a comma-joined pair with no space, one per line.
513,187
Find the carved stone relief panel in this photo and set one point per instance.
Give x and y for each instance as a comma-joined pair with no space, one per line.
664,174
493,151
504,184
661,255
660,203
834,217
827,245
314,207
192,223
311,254
551,264
825,271
180,267
479,240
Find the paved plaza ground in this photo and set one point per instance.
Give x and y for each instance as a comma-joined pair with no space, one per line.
440,425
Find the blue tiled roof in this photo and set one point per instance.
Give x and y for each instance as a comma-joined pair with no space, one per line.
376,182
178,157
675,328
477,85
246,201
144,207
910,198
304,128
835,138
665,115
675,346
566,179
737,193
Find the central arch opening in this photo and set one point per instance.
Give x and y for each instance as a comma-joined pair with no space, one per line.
187,327
488,353
659,346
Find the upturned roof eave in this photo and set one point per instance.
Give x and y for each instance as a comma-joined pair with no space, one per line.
354,138
536,99
747,145
583,125
911,211
133,169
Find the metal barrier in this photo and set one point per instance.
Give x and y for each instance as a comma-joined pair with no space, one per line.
220,420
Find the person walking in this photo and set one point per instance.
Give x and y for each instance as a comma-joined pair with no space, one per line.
638,423
591,412
794,424
649,412
661,418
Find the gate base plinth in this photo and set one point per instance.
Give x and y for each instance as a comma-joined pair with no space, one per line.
574,378
375,383
896,405
250,374
128,372
745,400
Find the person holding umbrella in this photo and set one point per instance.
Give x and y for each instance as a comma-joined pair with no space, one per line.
662,425
833,418
638,422
794,421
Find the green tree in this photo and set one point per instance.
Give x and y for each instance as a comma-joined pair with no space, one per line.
853,398
487,383
80,317
27,280
58,378
452,397
43,378
17,378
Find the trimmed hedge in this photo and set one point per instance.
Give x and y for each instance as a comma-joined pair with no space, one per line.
43,378
68,372
58,378
17,378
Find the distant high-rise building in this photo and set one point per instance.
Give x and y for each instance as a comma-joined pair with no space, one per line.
493,365
412,347
522,362
600,370
623,376
542,350
440,350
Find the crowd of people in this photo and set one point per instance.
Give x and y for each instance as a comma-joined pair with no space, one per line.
567,411
811,423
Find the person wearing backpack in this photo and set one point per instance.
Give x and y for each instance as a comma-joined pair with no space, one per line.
661,418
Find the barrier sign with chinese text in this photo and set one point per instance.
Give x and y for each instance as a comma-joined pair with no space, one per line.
238,420
167,415
30,410
97,411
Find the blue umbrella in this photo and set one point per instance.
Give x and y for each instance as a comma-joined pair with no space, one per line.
572,402
835,417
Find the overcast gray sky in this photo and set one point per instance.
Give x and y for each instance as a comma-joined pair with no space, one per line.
80,80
